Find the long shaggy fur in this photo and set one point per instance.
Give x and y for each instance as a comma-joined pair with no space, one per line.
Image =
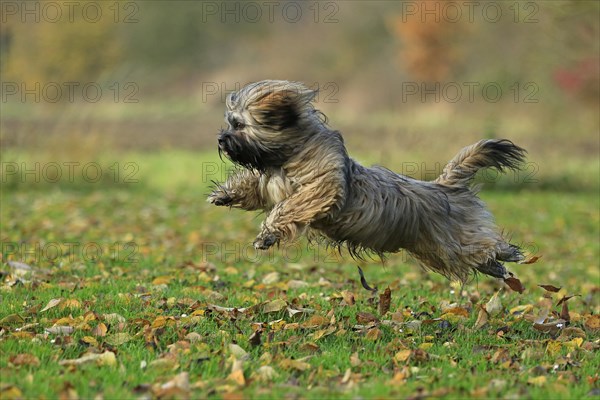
299,172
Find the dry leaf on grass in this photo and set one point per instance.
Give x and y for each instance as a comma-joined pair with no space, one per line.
106,358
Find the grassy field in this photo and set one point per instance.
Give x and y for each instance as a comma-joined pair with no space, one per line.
132,286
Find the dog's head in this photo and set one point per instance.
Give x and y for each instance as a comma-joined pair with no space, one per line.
267,122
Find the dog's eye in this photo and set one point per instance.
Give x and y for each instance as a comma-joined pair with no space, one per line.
237,125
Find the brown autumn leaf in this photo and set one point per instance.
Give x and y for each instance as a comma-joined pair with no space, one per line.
274,306
178,387
355,360
254,338
530,260
374,334
314,322
237,373
592,322
564,313
298,365
564,299
266,373
482,318
364,318
550,288
385,300
403,355
463,312
100,330
348,298
117,339
51,304
494,305
70,303
106,358
88,341
323,332
24,359
515,284
553,327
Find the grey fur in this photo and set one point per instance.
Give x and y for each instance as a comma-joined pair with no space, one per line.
299,172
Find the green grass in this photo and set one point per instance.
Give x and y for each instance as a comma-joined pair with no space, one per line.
166,253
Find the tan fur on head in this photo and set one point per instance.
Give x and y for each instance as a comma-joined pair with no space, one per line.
299,172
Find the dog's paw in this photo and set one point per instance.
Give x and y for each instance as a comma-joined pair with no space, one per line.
265,240
219,198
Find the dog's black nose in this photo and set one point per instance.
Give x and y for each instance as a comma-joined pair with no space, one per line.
223,138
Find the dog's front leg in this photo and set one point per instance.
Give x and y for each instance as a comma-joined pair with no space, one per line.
289,217
241,190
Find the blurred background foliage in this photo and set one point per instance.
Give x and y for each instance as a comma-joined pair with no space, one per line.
183,57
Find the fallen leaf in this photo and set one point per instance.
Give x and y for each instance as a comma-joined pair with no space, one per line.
238,352
323,332
537,381
550,288
271,278
180,381
402,355
237,373
266,373
348,298
294,364
314,322
355,360
295,284
530,260
494,305
100,330
117,339
254,338
515,284
592,322
365,318
51,304
106,358
520,310
564,299
12,319
113,318
274,306
385,299
564,313
550,327
24,359
60,330
374,334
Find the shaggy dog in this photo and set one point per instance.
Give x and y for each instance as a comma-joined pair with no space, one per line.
297,170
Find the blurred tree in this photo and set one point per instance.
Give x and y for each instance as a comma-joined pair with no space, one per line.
430,49
70,49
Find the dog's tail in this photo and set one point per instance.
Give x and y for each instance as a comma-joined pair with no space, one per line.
495,153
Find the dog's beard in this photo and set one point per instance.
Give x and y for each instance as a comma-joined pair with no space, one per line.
250,153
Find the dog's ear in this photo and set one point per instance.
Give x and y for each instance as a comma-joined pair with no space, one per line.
279,104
